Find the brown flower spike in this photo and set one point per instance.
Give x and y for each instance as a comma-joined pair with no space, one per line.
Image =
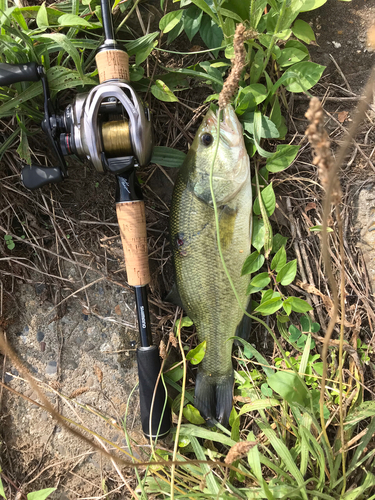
238,63
320,143
238,450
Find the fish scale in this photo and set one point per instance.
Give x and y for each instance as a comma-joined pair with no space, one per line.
201,281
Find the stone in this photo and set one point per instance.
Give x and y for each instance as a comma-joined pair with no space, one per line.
51,368
39,336
90,346
39,288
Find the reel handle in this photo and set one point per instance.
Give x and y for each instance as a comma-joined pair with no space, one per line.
34,176
14,73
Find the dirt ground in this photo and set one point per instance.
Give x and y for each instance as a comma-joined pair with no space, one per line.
70,315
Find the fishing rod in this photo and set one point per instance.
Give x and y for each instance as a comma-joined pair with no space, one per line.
111,127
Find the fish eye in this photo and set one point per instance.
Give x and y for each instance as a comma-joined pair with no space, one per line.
207,139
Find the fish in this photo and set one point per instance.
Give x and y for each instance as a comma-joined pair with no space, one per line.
201,282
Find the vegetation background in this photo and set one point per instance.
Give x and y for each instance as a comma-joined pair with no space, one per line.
302,425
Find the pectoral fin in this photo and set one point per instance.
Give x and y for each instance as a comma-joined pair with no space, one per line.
174,297
244,327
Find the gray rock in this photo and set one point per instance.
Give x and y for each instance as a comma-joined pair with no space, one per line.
51,368
39,288
72,364
40,336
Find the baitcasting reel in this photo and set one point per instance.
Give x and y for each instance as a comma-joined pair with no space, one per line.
108,126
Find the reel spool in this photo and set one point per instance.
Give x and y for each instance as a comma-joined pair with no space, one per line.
110,127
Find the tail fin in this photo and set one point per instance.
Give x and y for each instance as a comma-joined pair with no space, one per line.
214,397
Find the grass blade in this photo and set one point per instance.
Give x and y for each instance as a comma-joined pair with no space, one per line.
212,484
284,454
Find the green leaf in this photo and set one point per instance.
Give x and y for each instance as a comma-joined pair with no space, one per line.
266,390
290,387
144,52
23,148
175,373
210,33
139,44
302,76
196,355
258,130
250,97
73,20
282,452
42,17
258,233
312,4
162,92
257,66
201,432
303,31
279,260
287,307
258,283
258,404
305,323
235,431
2,492
64,42
269,201
269,306
203,6
294,333
41,494
282,158
320,228
287,273
290,56
183,442
192,21
278,241
305,357
193,415
167,157
195,74
267,129
251,349
364,410
181,323
296,44
297,305
253,457
170,20
253,263
8,237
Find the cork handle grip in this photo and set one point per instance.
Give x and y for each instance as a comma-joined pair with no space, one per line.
112,65
132,221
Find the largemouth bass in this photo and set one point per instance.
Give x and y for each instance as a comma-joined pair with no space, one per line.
201,281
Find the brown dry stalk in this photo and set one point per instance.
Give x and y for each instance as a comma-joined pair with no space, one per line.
238,63
239,450
78,392
172,339
98,373
162,350
328,171
320,143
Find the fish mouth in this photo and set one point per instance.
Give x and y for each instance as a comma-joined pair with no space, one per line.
231,132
